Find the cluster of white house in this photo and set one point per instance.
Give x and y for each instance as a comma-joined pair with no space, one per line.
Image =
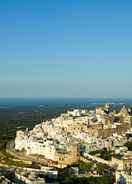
59,139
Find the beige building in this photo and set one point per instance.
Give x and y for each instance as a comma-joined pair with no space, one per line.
71,155
126,172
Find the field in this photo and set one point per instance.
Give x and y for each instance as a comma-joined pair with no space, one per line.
13,119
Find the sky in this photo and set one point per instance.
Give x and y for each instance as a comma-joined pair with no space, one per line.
66,48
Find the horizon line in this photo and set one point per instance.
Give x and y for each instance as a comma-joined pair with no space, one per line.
61,97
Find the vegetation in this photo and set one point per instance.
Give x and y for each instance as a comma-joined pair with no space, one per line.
8,160
83,167
129,145
105,154
65,177
14,118
102,169
87,180
105,174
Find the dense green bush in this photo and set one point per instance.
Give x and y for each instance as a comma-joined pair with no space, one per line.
129,145
105,154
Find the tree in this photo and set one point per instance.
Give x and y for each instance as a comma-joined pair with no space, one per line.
85,167
129,145
105,154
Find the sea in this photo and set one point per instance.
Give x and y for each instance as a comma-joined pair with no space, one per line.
44,102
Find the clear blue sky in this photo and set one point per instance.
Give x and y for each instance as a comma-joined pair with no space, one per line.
66,48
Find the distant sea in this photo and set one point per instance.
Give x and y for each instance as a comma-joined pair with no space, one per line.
58,102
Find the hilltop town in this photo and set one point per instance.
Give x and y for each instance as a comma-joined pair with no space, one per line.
80,145
81,135
54,139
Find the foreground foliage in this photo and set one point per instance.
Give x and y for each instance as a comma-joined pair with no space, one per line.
67,177
129,145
